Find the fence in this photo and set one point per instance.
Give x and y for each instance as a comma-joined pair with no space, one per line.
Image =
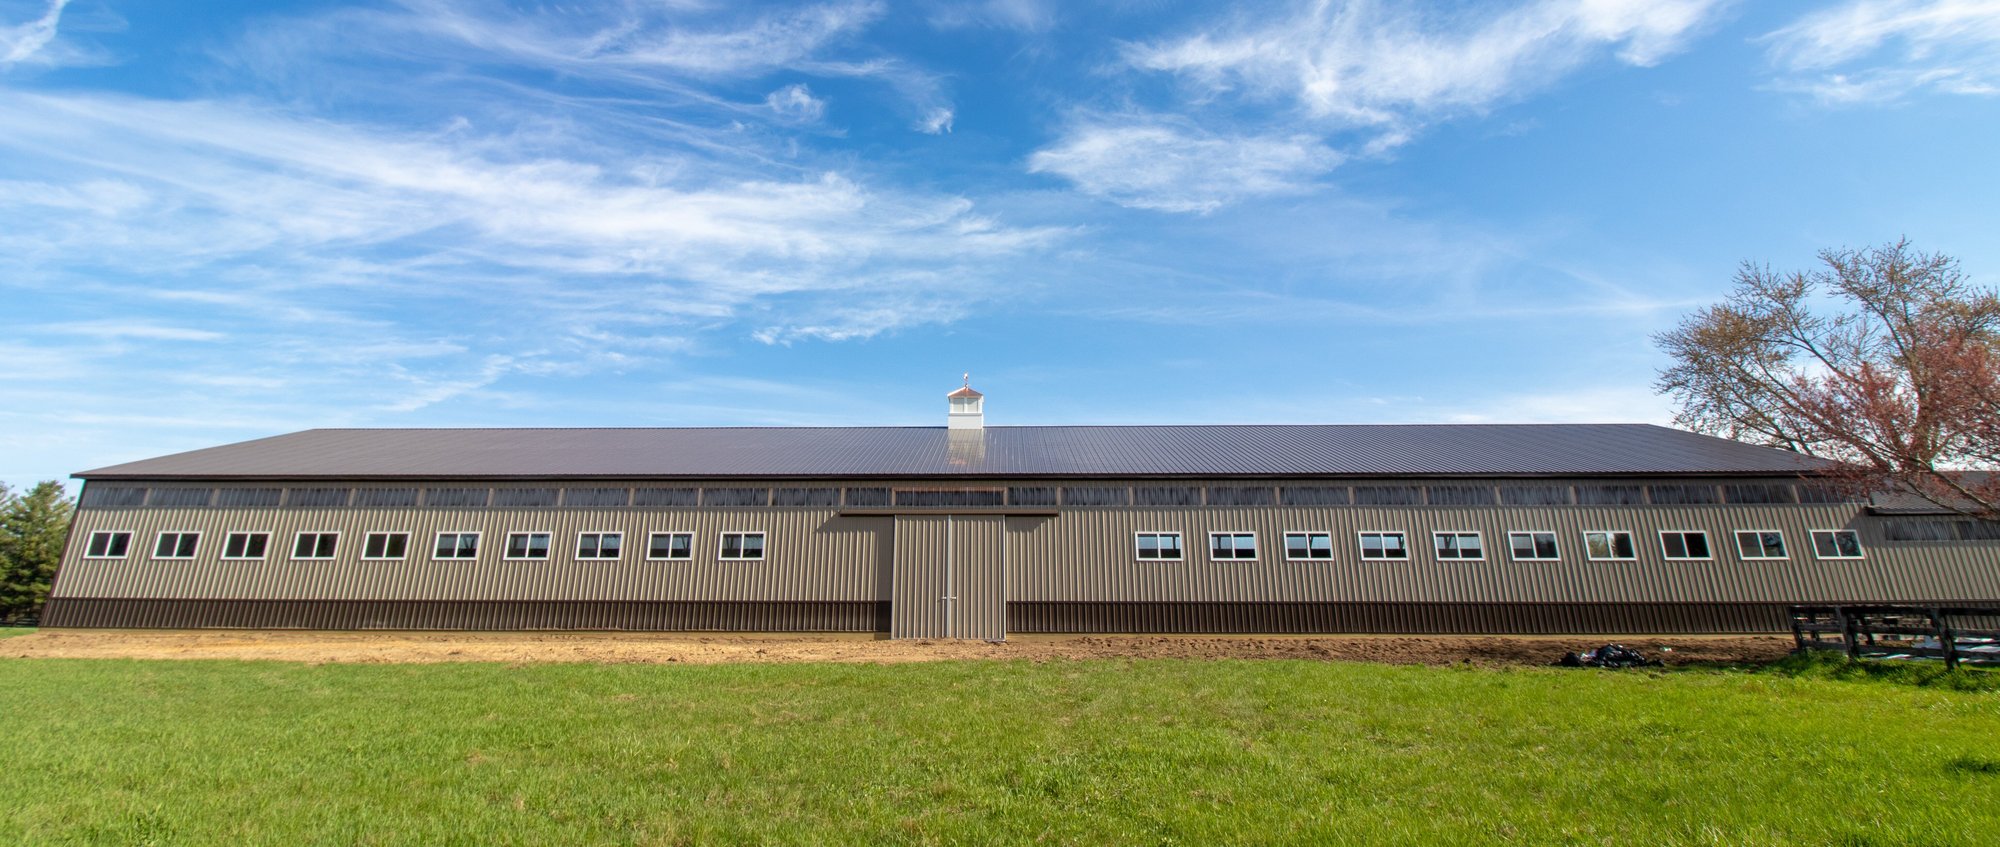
1969,634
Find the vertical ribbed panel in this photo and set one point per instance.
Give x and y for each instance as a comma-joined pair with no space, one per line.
812,554
917,605
950,577
979,577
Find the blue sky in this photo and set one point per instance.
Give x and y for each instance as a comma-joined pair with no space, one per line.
220,221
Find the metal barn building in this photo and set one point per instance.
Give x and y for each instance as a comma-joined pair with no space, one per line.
969,531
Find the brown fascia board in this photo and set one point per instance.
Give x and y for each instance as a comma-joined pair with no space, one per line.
969,479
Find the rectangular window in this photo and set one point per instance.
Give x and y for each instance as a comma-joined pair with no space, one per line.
317,498
1314,496
1232,545
1460,495
108,545
670,545
176,545
1684,544
524,498
599,545
1388,495
1534,495
1079,495
1385,546
1760,544
315,545
1836,543
1159,546
456,545
743,545
386,545
1459,546
596,498
1533,546
1308,545
527,545
245,545
1609,545
867,497
1239,496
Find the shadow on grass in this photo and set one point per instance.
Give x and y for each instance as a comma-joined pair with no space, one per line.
1824,664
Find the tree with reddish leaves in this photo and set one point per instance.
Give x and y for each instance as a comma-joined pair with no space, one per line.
1885,360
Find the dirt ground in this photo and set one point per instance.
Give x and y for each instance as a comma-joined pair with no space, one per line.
694,648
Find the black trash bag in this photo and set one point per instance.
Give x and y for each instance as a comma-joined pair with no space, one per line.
1609,656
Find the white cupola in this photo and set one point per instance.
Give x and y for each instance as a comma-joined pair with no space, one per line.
968,407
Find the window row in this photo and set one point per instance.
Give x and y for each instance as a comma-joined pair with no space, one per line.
1528,546
387,546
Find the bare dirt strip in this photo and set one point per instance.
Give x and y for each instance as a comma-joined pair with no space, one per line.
604,647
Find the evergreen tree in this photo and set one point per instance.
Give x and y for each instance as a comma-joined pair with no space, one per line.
32,528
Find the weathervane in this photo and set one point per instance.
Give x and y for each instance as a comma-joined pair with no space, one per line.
968,379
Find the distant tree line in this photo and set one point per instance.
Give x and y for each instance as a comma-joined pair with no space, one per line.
32,529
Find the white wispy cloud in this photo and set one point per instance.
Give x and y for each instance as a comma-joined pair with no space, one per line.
130,329
195,182
1154,164
1021,15
1880,50
1370,73
796,103
936,121
1393,66
23,42
658,37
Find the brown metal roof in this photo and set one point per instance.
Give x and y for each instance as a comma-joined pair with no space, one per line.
1310,450
966,391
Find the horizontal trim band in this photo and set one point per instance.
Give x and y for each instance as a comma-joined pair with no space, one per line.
1398,618
807,616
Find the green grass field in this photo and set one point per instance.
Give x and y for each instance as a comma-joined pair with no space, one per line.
1138,752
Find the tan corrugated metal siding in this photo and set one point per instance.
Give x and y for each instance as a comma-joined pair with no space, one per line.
1451,618
1087,556
811,554
1081,555
950,577
979,577
917,607
473,615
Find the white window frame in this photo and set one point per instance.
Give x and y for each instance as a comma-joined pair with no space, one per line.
176,533
763,545
1555,539
1611,547
129,536
600,546
649,546
407,536
548,550
228,536
477,541
315,533
1256,548
1363,548
1684,533
1812,537
1476,534
1783,545
1180,545
1286,538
